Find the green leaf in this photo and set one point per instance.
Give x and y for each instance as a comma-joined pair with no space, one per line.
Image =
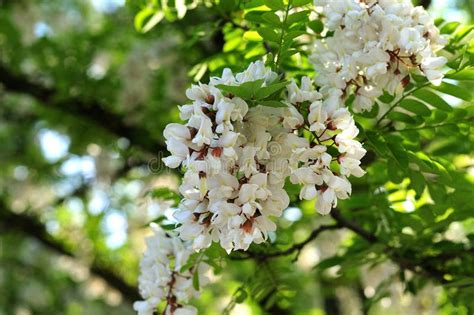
253,4
190,263
196,280
460,113
377,143
141,16
165,193
268,34
147,18
437,193
272,104
215,266
454,90
372,113
300,3
438,21
240,296
433,99
415,107
466,282
466,74
272,18
463,32
397,116
439,116
417,182
386,98
449,28
317,26
168,227
288,53
293,190
271,89
255,16
227,5
398,150
298,17
275,4
329,262
160,219
394,171
245,91
293,34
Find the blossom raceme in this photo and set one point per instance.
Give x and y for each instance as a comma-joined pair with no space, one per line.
229,192
374,47
325,160
162,279
237,158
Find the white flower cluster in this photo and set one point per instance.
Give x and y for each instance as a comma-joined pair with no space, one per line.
231,186
323,163
238,159
161,278
374,46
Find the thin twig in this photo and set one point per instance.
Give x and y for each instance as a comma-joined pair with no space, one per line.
404,96
295,248
431,126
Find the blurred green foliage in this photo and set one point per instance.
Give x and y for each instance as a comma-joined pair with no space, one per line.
86,88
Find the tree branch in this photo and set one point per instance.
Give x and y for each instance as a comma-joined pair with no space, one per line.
91,111
295,248
30,226
336,215
405,263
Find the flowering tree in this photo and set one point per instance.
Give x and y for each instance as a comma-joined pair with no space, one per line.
319,161
341,109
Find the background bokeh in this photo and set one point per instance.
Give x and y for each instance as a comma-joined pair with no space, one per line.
84,98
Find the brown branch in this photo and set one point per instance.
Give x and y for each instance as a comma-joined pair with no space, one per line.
369,237
90,110
295,248
30,226
422,267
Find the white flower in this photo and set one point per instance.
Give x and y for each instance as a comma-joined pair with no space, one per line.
326,201
304,93
161,278
351,166
256,71
317,117
204,134
374,44
292,119
144,307
312,166
177,131
411,40
337,188
431,67
223,115
247,162
186,310
365,98
179,152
